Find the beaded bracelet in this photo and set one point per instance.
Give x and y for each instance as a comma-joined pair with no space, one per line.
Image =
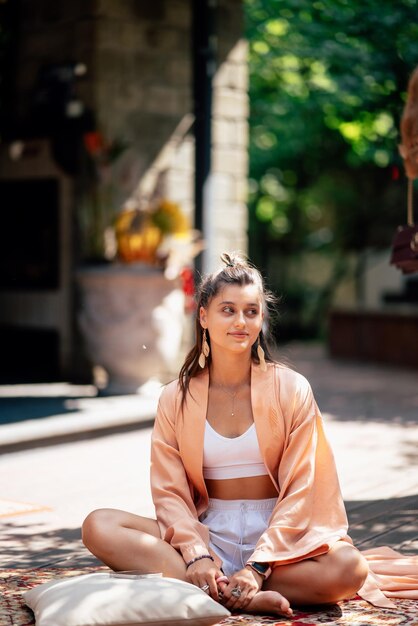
197,558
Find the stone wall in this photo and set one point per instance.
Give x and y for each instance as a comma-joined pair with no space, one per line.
144,94
50,33
142,75
53,32
228,225
138,85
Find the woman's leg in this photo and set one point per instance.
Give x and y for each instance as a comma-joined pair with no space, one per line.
125,541
325,579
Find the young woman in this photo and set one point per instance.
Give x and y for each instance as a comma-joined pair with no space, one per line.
244,483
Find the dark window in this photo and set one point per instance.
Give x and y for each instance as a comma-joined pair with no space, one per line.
29,234
28,355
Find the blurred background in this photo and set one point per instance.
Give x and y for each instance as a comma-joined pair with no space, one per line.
139,140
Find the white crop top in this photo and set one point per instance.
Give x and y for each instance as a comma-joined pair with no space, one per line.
231,457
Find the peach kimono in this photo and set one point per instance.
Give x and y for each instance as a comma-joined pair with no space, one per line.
309,516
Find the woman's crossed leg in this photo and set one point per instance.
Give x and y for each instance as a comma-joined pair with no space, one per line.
125,541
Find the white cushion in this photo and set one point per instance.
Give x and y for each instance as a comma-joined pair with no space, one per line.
105,599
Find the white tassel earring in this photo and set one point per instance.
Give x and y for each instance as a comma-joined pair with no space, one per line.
205,350
260,354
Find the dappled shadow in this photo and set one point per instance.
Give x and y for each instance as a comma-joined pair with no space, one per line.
53,547
355,391
327,613
392,522
370,406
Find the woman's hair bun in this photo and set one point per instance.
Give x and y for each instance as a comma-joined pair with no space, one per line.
233,259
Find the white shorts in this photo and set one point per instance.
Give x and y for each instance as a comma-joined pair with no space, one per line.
235,526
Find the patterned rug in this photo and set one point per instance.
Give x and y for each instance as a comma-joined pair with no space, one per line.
14,612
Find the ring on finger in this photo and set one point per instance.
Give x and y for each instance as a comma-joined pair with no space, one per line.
205,588
236,592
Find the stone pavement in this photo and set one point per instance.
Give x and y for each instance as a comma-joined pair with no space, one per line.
65,452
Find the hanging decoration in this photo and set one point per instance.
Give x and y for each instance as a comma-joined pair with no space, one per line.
405,242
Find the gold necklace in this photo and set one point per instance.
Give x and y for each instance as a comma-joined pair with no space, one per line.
231,394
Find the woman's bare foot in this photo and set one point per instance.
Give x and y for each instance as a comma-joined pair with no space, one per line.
269,602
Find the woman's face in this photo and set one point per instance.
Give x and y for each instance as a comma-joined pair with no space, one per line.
233,318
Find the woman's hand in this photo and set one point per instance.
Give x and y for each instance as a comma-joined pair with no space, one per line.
242,587
203,574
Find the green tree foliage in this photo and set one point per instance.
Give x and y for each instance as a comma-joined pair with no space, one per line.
327,87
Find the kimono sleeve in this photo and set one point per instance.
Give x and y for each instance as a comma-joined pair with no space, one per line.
171,491
309,516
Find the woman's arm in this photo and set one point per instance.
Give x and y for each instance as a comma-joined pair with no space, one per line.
309,515
171,490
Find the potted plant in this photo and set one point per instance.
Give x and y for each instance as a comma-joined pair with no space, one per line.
133,309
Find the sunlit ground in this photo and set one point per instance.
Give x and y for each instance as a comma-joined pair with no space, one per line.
371,417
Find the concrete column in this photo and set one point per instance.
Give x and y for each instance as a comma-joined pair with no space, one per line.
227,220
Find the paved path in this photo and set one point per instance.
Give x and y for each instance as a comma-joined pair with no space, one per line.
371,417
